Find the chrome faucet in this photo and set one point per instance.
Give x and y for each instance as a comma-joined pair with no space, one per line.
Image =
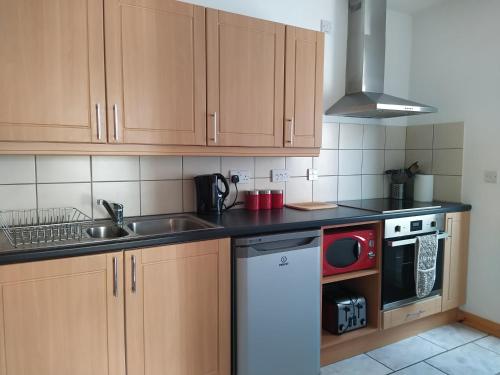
115,210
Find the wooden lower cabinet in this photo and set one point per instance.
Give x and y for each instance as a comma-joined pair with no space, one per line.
410,313
177,301
63,317
455,260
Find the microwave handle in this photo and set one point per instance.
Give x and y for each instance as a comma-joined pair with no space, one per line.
411,241
358,249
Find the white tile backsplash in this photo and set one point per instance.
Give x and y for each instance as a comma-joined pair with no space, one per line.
373,162
419,137
115,168
394,159
374,137
330,136
447,162
195,165
77,195
395,137
263,165
351,166
161,167
325,189
17,169
298,189
372,186
161,197
350,162
124,192
17,197
349,188
351,137
62,169
246,163
297,166
327,163
449,135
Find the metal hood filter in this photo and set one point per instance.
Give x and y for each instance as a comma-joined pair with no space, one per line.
365,68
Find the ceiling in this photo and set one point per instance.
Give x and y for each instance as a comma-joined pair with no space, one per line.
412,6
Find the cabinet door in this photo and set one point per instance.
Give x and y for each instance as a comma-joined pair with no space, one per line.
455,260
178,309
303,87
52,71
63,317
155,70
245,75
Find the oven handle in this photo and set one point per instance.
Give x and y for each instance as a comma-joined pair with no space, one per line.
411,241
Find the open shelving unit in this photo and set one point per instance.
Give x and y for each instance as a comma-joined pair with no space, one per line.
364,282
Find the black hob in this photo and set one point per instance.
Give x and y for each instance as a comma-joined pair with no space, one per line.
383,205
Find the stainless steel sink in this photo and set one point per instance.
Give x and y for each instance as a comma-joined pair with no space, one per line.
168,225
107,232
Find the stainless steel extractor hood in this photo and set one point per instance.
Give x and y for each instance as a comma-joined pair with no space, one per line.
365,68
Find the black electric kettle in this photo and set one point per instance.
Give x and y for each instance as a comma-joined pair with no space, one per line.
209,197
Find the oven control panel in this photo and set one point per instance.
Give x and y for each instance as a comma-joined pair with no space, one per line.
413,225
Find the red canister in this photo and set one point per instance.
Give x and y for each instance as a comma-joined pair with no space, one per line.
252,200
277,198
265,199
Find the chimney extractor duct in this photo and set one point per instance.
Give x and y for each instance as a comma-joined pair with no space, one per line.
365,68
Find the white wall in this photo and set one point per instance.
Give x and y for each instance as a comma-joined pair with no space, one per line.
308,14
456,67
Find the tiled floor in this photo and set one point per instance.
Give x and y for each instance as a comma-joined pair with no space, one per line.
454,349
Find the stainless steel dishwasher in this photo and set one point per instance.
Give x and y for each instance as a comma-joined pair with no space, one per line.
276,304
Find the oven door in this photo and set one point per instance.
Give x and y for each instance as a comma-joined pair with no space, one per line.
398,271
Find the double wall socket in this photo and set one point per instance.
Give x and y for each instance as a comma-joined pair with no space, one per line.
279,175
243,174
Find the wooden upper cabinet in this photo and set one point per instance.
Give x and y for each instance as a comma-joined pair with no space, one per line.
245,80
178,318
51,70
455,260
155,68
303,87
62,317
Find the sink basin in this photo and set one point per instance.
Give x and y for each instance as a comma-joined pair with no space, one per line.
168,225
107,232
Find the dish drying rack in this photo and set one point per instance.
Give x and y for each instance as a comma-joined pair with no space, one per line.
46,225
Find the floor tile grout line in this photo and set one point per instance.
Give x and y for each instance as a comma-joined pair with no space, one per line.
437,368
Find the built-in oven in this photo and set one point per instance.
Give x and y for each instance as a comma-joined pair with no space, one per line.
398,258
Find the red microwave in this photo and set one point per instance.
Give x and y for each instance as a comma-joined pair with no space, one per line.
346,251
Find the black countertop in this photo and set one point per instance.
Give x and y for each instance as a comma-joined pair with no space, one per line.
233,223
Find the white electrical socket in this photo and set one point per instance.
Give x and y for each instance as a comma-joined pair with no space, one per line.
243,174
490,177
279,175
312,174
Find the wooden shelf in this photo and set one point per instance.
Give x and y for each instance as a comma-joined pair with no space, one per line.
348,276
328,339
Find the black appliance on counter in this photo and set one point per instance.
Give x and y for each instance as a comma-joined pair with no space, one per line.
209,196
386,205
343,311
398,258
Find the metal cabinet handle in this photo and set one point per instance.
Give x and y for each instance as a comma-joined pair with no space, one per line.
98,116
411,241
415,314
115,276
291,124
115,117
133,260
214,122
